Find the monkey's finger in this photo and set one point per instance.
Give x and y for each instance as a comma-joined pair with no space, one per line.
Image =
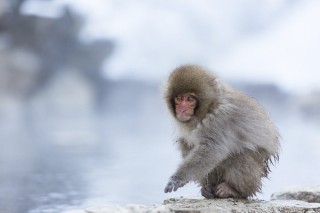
219,191
168,188
175,188
207,192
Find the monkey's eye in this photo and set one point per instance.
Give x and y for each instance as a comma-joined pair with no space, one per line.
191,99
178,98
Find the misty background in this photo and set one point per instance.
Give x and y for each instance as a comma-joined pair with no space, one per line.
82,120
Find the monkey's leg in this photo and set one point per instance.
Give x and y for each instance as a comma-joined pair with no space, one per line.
210,182
242,176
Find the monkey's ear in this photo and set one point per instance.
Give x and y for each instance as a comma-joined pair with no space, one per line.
195,79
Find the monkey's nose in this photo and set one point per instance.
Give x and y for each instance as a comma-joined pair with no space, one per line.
183,109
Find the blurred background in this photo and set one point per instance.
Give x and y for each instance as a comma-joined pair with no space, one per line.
82,120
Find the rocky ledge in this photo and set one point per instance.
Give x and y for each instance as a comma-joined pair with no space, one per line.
306,200
309,194
184,205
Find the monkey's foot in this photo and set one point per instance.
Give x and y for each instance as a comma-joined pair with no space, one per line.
223,190
207,192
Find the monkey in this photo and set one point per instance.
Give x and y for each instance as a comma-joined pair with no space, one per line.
226,138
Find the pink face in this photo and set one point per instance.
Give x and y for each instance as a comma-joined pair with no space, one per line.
185,105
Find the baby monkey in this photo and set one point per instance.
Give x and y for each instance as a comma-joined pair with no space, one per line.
226,138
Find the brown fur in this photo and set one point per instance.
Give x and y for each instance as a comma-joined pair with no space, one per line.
228,144
193,79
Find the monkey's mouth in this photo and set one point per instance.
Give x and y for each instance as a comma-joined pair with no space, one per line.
184,118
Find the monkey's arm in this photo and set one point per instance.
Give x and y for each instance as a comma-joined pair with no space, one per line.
184,148
197,165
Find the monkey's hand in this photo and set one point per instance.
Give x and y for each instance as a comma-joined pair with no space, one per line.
174,184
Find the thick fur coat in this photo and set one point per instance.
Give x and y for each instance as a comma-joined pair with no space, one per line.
230,139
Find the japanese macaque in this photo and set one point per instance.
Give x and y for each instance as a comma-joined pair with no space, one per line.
226,138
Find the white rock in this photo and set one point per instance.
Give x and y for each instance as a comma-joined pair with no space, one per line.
215,205
309,194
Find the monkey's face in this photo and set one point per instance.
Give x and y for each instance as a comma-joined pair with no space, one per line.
185,105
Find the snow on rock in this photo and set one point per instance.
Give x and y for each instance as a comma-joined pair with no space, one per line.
187,205
309,194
